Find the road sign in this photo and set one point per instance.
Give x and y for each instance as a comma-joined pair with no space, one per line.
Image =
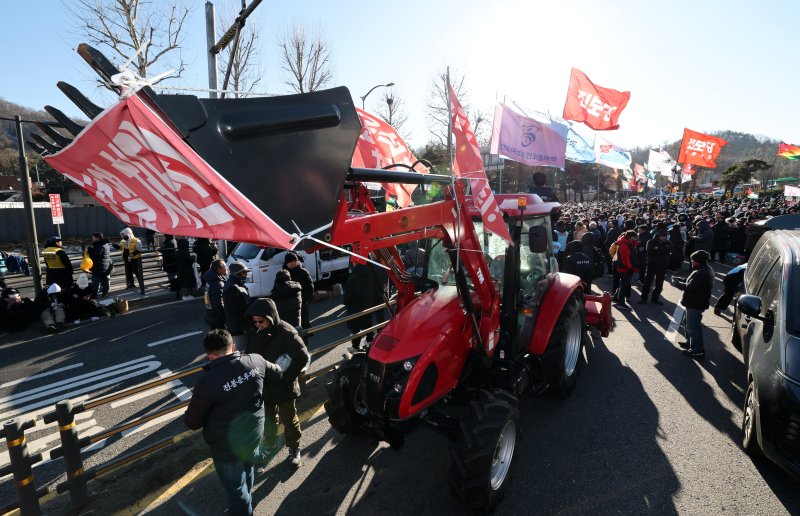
55,209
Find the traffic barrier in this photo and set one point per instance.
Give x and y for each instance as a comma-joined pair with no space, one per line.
72,444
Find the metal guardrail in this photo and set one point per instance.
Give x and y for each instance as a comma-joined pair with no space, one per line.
22,462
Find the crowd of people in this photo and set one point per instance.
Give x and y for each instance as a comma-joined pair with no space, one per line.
641,242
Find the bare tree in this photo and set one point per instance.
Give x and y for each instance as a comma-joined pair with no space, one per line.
246,71
305,57
438,110
152,27
391,109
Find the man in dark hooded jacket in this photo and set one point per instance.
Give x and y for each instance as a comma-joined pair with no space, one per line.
288,298
301,275
278,342
236,299
578,262
100,253
214,279
659,251
703,239
696,295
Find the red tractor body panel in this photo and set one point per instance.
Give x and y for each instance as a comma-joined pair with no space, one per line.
432,330
552,305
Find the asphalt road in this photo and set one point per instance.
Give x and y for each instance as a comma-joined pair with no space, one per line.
647,430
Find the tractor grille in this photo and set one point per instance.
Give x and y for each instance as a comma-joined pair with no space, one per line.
376,373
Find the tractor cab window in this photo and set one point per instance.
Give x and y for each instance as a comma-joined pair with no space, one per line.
533,267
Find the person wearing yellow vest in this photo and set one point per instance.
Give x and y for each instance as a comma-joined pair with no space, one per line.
59,268
132,258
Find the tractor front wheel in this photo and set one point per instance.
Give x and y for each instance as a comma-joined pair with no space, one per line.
484,451
345,405
563,353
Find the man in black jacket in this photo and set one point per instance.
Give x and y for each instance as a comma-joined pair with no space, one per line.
169,263
721,232
235,299
100,253
278,342
299,274
696,294
659,251
228,406
214,279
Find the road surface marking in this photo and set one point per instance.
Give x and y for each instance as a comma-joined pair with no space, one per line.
153,422
61,392
155,499
41,443
177,337
675,325
40,375
136,331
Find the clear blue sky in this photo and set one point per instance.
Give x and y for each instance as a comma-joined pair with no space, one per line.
704,64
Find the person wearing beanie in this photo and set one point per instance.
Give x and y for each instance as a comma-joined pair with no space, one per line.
132,258
50,302
626,264
81,301
235,299
59,267
100,253
658,255
696,295
299,274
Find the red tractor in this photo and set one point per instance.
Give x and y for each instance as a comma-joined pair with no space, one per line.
482,324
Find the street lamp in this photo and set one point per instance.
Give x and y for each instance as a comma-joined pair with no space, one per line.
364,98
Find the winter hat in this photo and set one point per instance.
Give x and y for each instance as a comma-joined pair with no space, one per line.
282,276
700,257
83,280
10,293
126,233
54,289
52,240
237,268
290,257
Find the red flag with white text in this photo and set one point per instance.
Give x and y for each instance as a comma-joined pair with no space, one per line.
700,149
469,164
378,146
595,106
135,164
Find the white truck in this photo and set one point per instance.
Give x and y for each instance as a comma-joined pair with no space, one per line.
265,262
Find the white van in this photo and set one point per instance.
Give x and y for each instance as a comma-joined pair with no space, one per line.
267,261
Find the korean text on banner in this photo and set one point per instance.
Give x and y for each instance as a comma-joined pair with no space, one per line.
526,140
595,106
55,209
700,149
379,145
469,164
135,165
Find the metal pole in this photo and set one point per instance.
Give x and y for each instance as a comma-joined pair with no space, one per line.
211,38
72,454
25,178
21,466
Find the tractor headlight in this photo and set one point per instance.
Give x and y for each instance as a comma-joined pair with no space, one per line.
398,388
408,365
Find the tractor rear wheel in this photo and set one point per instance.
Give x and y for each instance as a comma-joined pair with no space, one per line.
563,353
345,405
484,451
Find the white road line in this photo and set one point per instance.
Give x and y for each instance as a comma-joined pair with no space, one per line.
41,443
177,337
40,375
154,422
146,368
182,393
144,394
674,325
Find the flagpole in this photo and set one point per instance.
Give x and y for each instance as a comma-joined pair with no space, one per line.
452,168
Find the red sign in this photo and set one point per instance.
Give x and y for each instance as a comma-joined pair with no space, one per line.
597,107
55,209
700,149
137,166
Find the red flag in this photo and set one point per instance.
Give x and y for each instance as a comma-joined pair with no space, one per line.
139,168
469,164
598,108
378,146
700,149
689,169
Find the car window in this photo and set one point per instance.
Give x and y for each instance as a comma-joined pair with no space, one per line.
770,290
758,267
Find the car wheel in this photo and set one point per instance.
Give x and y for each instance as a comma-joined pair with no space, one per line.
750,423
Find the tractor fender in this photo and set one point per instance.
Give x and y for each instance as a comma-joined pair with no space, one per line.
550,309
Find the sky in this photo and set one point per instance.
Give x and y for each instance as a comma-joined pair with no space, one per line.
708,65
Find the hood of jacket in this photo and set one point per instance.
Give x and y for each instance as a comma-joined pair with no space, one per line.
211,276
264,307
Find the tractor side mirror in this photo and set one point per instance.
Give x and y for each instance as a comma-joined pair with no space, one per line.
537,239
750,305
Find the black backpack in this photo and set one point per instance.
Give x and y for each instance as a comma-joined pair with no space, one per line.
598,264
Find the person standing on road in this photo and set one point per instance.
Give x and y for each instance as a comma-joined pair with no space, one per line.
578,263
132,258
278,342
168,263
626,267
288,298
100,253
227,404
696,295
299,274
59,267
206,252
235,299
187,272
659,251
214,279
360,293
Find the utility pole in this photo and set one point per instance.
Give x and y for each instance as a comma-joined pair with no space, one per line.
25,178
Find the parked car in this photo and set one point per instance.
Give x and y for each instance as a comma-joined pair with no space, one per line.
766,327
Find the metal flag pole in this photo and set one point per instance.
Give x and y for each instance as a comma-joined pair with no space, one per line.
452,165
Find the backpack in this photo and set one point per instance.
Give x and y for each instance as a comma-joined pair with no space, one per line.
598,264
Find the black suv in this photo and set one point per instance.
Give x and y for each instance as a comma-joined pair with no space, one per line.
766,325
